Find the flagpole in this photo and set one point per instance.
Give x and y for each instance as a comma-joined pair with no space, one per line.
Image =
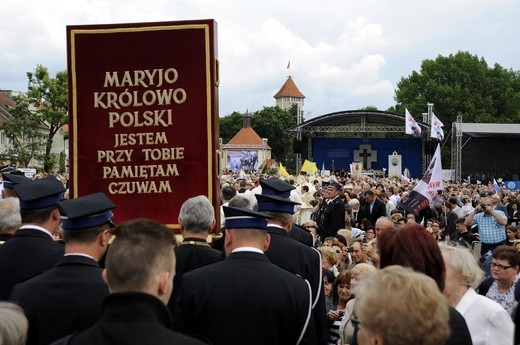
428,133
444,210
430,110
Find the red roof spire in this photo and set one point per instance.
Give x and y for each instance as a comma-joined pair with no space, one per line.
289,89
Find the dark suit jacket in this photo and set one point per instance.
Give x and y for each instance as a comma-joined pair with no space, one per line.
332,218
459,329
244,299
378,210
4,237
65,299
131,318
450,228
468,238
28,253
192,253
305,261
301,235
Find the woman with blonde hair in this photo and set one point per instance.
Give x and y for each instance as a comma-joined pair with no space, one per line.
346,329
487,321
329,259
396,305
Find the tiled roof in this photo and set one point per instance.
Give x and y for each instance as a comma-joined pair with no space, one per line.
246,137
6,103
6,100
289,89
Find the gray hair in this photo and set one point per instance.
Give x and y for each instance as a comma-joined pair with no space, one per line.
353,202
463,263
240,202
10,218
13,324
197,214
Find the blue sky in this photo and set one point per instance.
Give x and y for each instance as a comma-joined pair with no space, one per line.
345,54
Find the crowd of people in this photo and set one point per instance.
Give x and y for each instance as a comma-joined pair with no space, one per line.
302,260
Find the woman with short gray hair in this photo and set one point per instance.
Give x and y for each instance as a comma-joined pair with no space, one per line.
13,324
487,321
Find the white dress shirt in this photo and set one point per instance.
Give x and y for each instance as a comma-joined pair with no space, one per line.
488,322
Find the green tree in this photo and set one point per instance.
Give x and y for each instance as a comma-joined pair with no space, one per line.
271,123
461,84
230,125
49,98
24,131
62,162
369,108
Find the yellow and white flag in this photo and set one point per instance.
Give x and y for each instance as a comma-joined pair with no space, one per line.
309,167
283,172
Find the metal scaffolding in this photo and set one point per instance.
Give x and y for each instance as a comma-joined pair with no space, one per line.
456,150
360,122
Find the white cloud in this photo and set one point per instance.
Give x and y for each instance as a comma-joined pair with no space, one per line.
345,54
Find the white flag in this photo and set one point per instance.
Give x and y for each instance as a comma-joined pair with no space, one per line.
436,128
411,126
423,193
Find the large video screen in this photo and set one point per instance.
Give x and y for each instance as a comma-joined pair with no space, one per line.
242,160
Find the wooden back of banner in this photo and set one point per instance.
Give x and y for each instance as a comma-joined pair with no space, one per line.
143,115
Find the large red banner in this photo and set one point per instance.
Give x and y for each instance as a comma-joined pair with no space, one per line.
143,115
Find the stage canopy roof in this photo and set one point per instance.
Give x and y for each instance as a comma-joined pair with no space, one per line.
356,121
480,130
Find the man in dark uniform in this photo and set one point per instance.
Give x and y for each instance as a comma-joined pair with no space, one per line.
276,187
294,256
196,219
32,250
11,179
333,217
76,278
244,299
139,269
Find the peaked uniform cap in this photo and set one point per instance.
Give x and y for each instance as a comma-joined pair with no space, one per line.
86,211
39,193
243,218
334,185
6,169
275,204
10,180
276,187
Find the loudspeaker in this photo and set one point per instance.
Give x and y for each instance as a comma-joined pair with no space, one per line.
429,147
297,146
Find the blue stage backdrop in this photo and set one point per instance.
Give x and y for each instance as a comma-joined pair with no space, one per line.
341,151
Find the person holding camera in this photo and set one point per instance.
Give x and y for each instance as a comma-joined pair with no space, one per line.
361,252
491,225
341,294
